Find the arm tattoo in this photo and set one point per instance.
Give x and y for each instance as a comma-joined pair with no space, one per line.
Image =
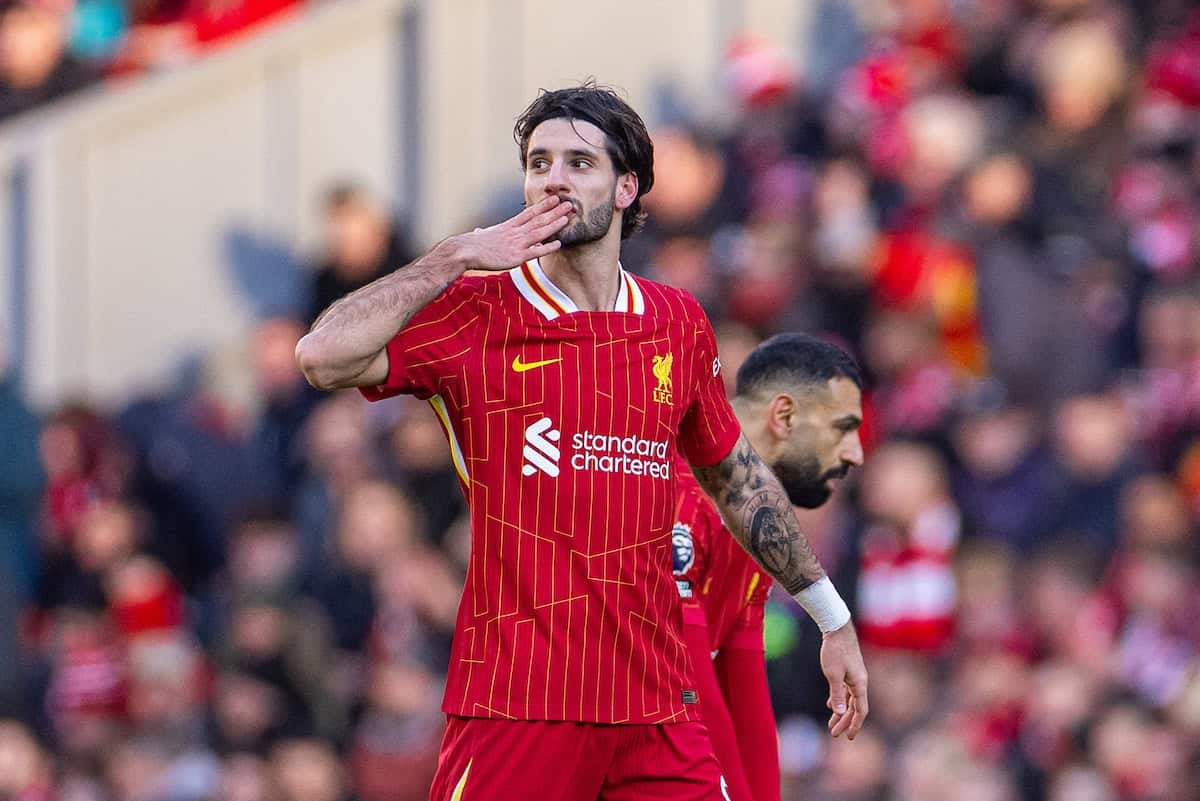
409,288
757,511
353,330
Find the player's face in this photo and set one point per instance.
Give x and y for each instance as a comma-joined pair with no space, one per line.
568,158
824,443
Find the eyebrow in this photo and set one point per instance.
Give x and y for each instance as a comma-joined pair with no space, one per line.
572,153
848,421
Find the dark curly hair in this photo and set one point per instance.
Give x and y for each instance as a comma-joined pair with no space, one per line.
626,138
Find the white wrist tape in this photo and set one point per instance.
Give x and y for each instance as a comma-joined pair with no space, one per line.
824,605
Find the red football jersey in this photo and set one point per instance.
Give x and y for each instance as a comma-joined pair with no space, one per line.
564,427
712,571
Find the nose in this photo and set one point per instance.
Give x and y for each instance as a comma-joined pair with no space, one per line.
853,453
556,179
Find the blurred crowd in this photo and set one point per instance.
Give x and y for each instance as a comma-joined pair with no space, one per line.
50,48
993,204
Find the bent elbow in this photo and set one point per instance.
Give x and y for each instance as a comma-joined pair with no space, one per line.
315,363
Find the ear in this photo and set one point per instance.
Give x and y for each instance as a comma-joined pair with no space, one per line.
627,189
781,413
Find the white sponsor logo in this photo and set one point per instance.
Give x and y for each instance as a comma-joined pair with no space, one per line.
540,451
601,453
633,456
716,366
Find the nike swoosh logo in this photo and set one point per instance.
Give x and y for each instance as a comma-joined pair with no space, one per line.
522,367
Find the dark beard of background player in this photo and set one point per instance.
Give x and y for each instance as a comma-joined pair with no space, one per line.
587,228
804,482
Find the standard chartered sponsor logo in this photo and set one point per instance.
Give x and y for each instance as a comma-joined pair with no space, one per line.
540,451
591,452
633,456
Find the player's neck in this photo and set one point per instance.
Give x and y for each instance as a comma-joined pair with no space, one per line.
590,275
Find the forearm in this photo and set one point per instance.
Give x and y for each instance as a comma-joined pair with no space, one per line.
757,510
349,336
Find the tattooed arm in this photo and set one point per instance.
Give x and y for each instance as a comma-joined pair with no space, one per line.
758,513
347,346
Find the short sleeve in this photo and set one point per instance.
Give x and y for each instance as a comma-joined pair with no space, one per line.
689,538
420,353
709,429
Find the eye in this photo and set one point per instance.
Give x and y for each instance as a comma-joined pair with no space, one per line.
581,164
538,164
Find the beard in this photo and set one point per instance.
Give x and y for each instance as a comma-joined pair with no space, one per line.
589,227
804,482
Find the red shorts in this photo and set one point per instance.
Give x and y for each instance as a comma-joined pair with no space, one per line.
512,760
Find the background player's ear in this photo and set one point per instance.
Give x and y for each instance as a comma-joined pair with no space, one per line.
781,414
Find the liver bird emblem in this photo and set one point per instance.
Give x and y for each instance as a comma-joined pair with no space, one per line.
662,371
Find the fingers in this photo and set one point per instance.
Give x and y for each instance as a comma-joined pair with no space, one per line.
541,232
835,718
537,251
859,706
837,695
858,716
850,722
537,230
858,693
556,216
543,205
840,722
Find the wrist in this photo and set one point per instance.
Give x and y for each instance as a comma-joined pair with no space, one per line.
847,628
824,605
455,253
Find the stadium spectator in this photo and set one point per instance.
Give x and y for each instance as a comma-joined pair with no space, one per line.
35,63
361,243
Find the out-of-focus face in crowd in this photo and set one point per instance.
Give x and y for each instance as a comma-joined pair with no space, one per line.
274,355
998,189
307,770
1080,74
339,441
23,764
1155,514
900,482
356,230
378,522
32,41
418,442
245,777
1093,435
1170,330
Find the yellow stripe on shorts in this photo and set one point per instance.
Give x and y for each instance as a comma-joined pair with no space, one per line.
462,783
